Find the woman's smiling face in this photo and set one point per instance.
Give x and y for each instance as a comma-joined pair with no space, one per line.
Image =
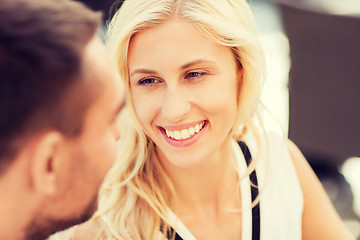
184,88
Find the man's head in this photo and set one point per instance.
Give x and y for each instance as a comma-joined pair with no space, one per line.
59,98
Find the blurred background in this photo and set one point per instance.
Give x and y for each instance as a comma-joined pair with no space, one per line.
312,49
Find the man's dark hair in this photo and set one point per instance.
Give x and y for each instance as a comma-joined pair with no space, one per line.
41,49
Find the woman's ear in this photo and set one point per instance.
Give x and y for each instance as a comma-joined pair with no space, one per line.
239,80
239,76
45,160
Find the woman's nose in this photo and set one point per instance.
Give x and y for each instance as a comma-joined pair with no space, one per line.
176,106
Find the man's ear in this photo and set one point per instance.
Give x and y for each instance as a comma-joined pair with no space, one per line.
45,162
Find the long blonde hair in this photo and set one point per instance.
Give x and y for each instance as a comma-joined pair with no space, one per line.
137,191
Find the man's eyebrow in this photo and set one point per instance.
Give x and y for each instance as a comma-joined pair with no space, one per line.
198,61
142,71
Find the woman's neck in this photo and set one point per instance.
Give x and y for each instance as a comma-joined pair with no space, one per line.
212,182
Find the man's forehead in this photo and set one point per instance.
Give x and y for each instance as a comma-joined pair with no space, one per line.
102,75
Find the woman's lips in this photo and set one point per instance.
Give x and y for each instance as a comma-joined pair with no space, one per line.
186,136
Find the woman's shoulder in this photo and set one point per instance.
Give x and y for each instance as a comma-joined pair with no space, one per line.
317,205
266,143
90,230
63,235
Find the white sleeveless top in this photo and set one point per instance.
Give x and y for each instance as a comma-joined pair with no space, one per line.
281,199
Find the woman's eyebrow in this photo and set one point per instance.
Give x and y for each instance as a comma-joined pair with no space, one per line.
142,71
182,67
198,61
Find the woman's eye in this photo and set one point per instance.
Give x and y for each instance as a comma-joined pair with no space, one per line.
194,74
148,81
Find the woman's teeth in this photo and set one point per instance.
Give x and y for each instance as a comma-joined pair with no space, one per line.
185,133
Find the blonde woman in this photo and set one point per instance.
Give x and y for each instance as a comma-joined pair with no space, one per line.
193,163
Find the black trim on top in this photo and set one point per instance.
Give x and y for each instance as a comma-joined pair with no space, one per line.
170,233
254,194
